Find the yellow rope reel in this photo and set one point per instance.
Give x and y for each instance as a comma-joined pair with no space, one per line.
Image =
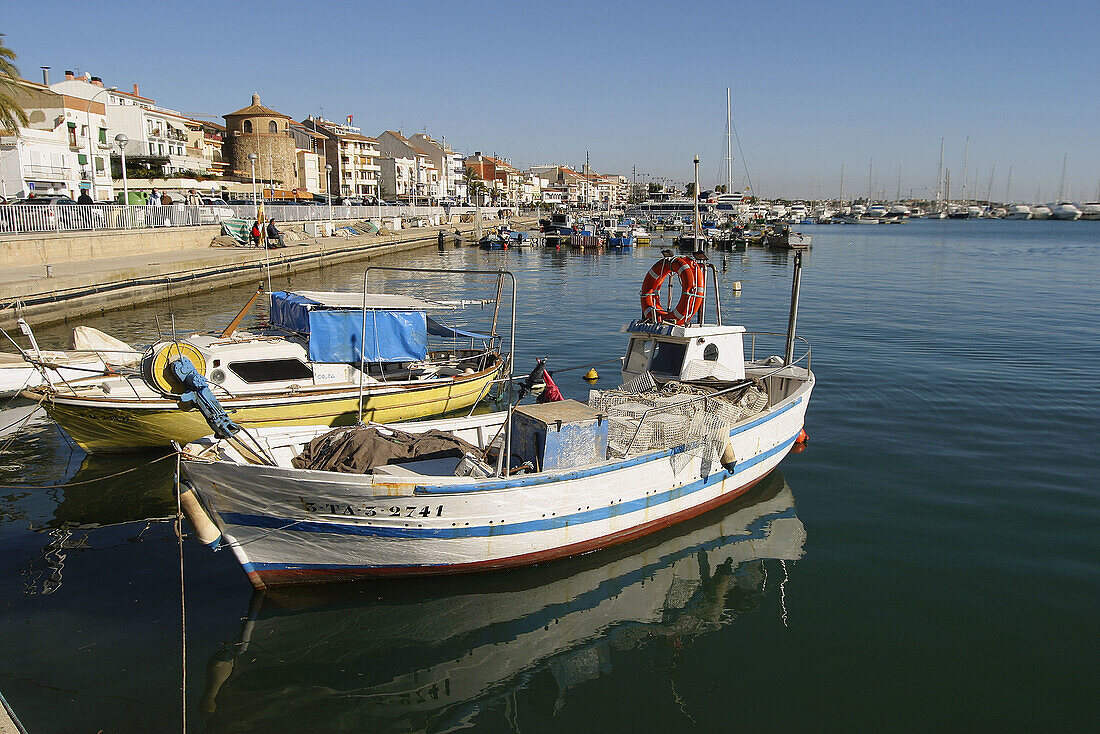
156,365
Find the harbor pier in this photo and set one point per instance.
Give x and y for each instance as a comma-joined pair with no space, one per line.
99,272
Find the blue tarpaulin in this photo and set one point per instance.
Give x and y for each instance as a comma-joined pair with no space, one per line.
335,334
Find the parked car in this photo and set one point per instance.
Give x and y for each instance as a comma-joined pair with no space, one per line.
215,210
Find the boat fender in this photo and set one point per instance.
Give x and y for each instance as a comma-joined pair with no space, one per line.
728,458
205,529
802,437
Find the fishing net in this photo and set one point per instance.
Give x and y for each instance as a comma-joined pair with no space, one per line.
643,417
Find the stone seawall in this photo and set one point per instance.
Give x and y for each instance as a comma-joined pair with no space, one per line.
79,288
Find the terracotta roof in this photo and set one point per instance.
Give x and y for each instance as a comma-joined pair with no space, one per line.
256,110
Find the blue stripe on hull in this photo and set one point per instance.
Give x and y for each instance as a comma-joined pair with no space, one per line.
530,526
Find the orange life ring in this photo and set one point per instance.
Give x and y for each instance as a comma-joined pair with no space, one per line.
692,284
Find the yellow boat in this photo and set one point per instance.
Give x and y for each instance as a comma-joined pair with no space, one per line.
300,372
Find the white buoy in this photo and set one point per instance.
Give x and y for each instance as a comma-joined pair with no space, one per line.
205,529
736,287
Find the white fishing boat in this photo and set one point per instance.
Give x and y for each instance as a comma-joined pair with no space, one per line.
696,423
436,651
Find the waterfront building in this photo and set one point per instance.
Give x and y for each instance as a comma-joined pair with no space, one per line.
309,150
564,183
502,179
51,155
352,155
158,136
206,140
266,133
452,182
407,170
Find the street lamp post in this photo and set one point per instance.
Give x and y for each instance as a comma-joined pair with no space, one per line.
88,114
121,140
252,157
328,191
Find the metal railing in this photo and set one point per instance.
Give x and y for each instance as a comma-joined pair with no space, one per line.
29,218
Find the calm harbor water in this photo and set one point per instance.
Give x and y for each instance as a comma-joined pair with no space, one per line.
930,561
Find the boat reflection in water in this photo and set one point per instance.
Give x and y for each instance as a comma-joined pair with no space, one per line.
434,654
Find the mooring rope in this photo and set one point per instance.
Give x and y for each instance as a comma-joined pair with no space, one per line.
183,601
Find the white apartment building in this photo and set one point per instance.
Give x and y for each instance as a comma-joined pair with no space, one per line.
452,179
60,151
158,136
353,157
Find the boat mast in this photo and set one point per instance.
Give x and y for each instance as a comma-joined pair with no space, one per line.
899,182
939,180
966,168
989,189
729,145
1008,186
696,196
841,206
870,170
1062,186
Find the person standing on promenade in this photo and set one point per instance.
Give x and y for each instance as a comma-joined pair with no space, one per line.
84,198
274,236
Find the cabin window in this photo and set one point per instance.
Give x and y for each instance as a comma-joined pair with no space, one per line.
668,357
637,355
710,353
271,370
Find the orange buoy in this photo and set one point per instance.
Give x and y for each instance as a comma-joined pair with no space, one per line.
802,437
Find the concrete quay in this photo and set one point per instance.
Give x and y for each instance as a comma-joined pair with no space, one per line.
79,287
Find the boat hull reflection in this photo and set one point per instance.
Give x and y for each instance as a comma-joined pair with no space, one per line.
430,654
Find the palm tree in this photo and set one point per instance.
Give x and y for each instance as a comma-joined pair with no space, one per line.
11,112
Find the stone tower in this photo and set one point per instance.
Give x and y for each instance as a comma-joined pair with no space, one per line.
265,132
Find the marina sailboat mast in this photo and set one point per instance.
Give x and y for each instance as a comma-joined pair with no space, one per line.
966,169
939,181
696,197
729,145
1062,186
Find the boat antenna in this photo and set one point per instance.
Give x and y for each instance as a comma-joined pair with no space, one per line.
796,285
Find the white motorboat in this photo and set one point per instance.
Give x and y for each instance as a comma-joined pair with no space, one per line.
1040,212
1065,210
696,423
1018,211
1091,210
876,211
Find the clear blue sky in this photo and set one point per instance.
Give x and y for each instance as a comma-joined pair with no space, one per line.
814,85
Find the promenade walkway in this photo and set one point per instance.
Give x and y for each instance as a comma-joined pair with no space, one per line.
74,289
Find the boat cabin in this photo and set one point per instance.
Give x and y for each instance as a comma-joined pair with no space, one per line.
673,352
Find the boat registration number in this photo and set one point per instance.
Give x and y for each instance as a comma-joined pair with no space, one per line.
328,508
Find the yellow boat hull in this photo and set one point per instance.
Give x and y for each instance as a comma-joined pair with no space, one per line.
102,429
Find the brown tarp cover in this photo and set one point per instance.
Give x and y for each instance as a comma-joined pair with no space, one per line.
358,450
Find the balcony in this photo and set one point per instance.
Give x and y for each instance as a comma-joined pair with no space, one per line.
46,173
